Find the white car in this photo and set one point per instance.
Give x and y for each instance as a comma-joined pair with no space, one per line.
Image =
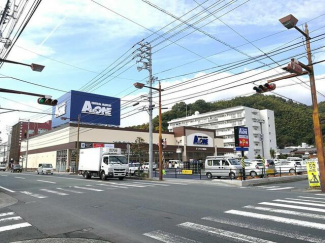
253,168
146,166
45,169
135,168
291,167
3,166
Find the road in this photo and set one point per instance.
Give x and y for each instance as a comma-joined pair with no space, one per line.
152,211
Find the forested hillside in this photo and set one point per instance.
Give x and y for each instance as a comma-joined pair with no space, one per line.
293,121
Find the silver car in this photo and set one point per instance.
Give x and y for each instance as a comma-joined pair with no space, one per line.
253,168
291,167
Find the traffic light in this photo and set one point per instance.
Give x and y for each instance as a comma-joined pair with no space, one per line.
264,88
47,101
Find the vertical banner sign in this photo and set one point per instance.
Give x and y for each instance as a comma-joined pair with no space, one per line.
241,137
313,177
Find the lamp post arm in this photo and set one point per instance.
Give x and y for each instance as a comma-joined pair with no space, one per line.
22,92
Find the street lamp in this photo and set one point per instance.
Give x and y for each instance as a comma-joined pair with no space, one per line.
290,22
140,86
33,66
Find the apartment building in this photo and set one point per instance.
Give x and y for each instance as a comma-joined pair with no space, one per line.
260,123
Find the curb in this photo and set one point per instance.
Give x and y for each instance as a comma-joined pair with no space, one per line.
6,200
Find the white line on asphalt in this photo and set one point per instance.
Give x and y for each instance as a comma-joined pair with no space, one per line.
304,203
220,232
148,183
67,190
305,200
10,218
320,195
281,188
14,226
129,185
6,189
268,186
112,186
6,214
167,237
294,206
320,198
89,189
278,219
283,211
54,192
33,194
292,234
3,175
170,183
20,177
52,182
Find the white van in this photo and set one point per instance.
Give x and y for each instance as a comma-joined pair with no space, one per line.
220,166
174,164
45,169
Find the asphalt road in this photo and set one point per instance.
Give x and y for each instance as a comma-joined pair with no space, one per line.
152,211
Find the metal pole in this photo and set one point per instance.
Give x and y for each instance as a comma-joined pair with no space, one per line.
77,154
150,115
262,138
317,127
160,137
27,144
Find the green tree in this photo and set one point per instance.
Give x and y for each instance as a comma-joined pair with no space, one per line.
272,153
138,148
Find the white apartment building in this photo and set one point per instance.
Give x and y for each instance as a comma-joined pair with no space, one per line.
260,123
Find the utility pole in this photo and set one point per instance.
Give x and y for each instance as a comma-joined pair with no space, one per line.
77,154
144,56
27,136
262,137
160,137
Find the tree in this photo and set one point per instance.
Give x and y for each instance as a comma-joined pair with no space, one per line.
272,153
258,157
139,148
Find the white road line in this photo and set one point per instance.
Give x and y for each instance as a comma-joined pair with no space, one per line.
14,226
170,183
304,203
305,200
320,198
52,182
11,218
268,186
20,177
293,206
281,188
33,194
112,186
54,192
320,195
167,237
278,219
6,214
88,188
67,190
148,183
291,234
283,211
128,185
220,232
3,175
6,189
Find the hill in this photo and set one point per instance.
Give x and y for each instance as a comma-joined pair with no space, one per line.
293,121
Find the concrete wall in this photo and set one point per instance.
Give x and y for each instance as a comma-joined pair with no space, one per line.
35,159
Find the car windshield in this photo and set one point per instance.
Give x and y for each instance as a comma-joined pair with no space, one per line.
47,166
117,160
260,164
298,163
234,161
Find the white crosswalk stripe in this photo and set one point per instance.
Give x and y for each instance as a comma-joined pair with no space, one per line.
320,195
88,188
9,221
221,233
320,198
112,186
126,185
151,184
14,226
68,190
293,206
267,186
6,214
33,194
54,192
305,200
303,203
51,182
279,189
168,238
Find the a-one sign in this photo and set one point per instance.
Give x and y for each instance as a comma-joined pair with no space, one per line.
96,108
202,140
312,172
241,137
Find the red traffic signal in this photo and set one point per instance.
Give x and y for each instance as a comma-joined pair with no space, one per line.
47,101
264,88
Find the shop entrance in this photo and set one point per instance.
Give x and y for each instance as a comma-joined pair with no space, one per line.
61,160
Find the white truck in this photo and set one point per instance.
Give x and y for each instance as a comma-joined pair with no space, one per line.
103,162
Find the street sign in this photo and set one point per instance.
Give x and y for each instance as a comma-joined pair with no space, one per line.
241,137
241,149
187,172
312,172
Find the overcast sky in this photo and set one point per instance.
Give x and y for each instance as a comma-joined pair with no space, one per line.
77,39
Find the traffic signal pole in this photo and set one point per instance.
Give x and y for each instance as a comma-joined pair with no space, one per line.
316,121
160,137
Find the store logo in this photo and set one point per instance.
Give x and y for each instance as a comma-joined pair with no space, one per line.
97,108
243,131
202,140
60,109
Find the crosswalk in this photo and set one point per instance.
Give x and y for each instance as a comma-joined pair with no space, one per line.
279,220
10,221
271,188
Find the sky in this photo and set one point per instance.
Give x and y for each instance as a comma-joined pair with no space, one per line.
202,49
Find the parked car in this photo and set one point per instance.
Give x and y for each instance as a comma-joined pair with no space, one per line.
3,166
220,166
16,168
291,167
135,168
253,168
146,166
45,169
174,164
269,165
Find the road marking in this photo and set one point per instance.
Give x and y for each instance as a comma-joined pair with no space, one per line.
89,189
52,182
67,190
268,186
6,189
20,177
110,186
3,175
167,237
320,195
170,183
278,219
220,232
320,198
11,218
304,203
283,211
54,192
305,200
33,194
6,214
147,183
292,234
14,226
281,188
129,185
294,206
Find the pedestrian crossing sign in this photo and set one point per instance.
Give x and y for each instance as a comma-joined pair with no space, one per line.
312,172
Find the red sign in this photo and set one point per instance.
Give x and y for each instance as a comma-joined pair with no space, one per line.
98,145
243,142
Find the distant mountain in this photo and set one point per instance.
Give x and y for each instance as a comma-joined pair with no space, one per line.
293,121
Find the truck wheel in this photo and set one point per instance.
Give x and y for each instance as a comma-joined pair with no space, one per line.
88,175
209,175
121,178
103,176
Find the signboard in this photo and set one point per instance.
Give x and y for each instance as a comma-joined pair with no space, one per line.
241,149
241,137
312,172
98,145
199,139
109,145
60,109
86,145
187,172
